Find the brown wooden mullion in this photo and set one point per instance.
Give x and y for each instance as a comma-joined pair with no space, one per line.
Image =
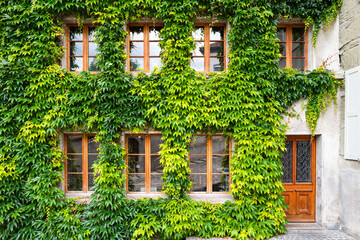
146,48
209,164
65,164
85,48
207,48
147,164
288,46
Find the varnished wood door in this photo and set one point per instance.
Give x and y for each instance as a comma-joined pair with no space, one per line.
299,178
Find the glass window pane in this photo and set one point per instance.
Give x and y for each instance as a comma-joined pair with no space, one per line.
298,63
156,166
216,64
136,64
281,34
74,144
154,49
220,145
136,183
156,183
217,33
287,161
282,63
220,163
136,144
220,182
92,145
74,163
76,48
303,161
91,179
198,145
136,164
154,62
76,64
155,144
199,182
197,63
282,49
91,160
154,33
199,33
76,33
199,49
198,163
136,48
93,49
92,32
216,48
74,182
136,33
298,49
92,64
298,34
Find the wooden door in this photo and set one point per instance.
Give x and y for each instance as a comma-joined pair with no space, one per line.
299,178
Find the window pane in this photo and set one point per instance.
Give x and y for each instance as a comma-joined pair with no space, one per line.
220,163
198,163
154,49
216,48
298,63
91,160
156,166
74,144
76,48
74,182
199,182
220,145
283,49
92,32
91,179
298,34
282,63
136,33
199,49
93,49
154,62
220,183
92,145
136,48
136,164
155,144
154,33
136,183
76,64
199,33
197,63
136,144
217,33
76,33
287,161
281,34
198,145
156,183
136,64
298,49
216,64
92,64
303,161
74,163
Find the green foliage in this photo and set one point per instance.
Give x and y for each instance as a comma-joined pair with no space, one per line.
39,100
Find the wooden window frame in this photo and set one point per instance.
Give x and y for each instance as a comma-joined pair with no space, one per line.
209,163
289,42
85,154
146,40
207,41
85,41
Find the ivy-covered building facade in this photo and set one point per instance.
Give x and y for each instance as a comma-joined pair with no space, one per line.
159,119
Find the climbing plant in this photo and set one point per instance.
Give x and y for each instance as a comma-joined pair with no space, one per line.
39,101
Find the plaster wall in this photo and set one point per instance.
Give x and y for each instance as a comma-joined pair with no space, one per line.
349,170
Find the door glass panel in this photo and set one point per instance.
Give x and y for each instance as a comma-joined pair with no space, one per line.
303,161
287,162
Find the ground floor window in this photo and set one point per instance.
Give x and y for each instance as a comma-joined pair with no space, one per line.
81,151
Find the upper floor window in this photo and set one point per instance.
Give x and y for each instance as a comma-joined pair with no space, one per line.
293,46
81,48
144,50
209,54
